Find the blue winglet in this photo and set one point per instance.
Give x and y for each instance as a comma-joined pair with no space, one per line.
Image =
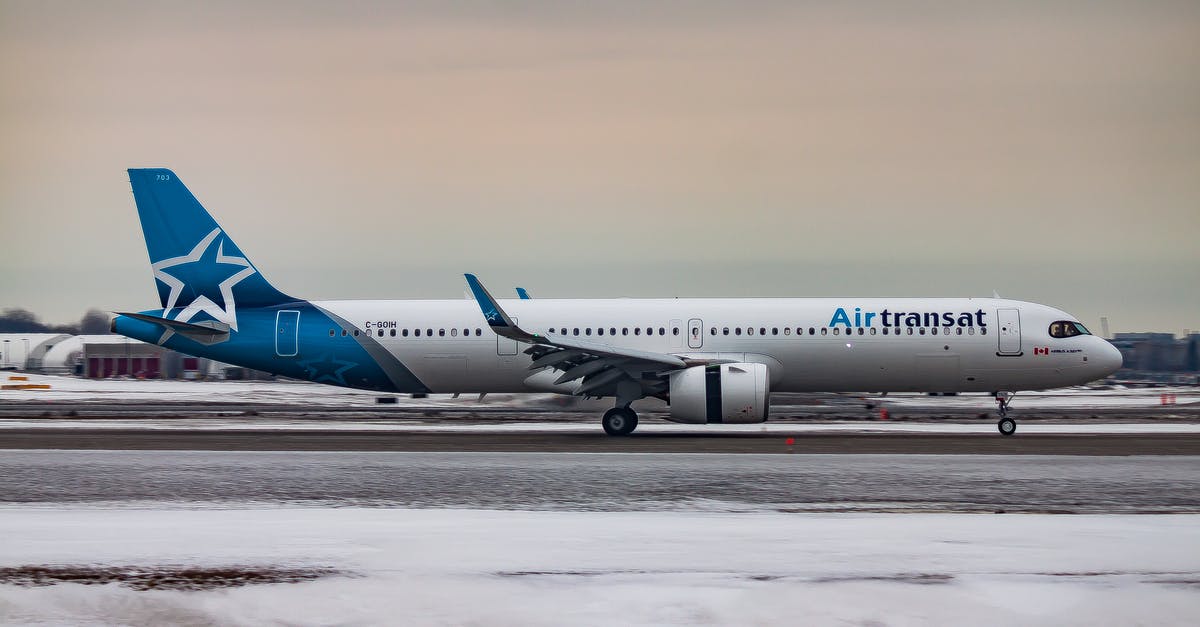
496,318
522,294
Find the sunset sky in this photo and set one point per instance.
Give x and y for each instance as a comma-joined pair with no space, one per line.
1049,151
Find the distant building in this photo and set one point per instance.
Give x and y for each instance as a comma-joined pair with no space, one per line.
1158,352
25,351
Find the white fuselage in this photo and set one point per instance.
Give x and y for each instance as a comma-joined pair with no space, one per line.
808,344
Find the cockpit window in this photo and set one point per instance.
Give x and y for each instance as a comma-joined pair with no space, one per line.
1067,328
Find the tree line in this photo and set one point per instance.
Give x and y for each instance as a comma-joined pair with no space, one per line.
17,320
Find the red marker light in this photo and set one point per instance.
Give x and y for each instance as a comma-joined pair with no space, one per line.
790,441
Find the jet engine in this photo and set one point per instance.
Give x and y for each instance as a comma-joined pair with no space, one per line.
725,393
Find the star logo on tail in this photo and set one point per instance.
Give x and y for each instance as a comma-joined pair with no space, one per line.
203,280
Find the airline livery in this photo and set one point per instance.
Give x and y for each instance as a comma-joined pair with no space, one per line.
714,360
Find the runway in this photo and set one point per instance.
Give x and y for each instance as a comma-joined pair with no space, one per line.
590,439
608,482
140,502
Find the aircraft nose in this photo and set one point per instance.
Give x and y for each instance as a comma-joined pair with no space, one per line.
1108,359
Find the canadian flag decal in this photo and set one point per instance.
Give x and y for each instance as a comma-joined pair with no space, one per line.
1041,350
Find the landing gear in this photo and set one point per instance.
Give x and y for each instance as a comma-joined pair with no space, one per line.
620,421
1006,426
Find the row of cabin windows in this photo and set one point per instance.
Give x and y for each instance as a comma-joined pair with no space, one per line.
839,330
612,330
675,331
415,332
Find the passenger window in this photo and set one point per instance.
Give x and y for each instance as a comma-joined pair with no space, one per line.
662,331
958,331
762,330
466,332
478,331
674,330
713,331
381,333
637,330
824,330
624,330
774,330
356,333
970,330
600,331
860,331
404,332
737,330
343,333
787,331
811,331
417,332
725,331
453,332
393,332
612,330
429,332
910,330
922,330
587,331
750,331
983,330
872,330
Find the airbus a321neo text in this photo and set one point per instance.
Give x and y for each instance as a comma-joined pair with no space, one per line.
714,360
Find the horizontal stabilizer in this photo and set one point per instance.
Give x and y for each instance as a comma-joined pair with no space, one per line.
208,332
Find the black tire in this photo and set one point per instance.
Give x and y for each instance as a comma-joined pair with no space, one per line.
1007,426
619,421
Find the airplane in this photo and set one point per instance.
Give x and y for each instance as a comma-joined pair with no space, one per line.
714,360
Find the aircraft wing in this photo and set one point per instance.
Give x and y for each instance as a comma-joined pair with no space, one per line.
600,366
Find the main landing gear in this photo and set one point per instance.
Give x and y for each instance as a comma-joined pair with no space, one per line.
620,421
1006,425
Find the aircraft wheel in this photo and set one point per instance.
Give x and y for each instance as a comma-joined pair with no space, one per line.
619,421
1007,426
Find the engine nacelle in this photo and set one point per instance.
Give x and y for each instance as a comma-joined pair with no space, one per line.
725,393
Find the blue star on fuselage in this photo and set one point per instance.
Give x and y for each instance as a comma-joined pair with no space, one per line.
327,368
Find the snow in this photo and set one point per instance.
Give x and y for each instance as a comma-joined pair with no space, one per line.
418,425
640,568
75,389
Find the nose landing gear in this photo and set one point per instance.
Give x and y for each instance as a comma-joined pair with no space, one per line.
1006,425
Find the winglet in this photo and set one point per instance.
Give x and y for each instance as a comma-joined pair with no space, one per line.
495,316
523,294
499,321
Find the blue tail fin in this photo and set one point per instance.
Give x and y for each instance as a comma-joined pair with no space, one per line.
199,271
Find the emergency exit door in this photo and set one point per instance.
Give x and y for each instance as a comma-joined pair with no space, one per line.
695,333
506,346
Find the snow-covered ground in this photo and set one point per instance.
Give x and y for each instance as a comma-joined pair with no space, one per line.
553,568
237,423
74,389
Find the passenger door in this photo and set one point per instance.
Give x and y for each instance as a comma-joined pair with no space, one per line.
1009,336
287,329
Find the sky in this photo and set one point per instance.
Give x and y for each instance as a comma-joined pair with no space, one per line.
1046,151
